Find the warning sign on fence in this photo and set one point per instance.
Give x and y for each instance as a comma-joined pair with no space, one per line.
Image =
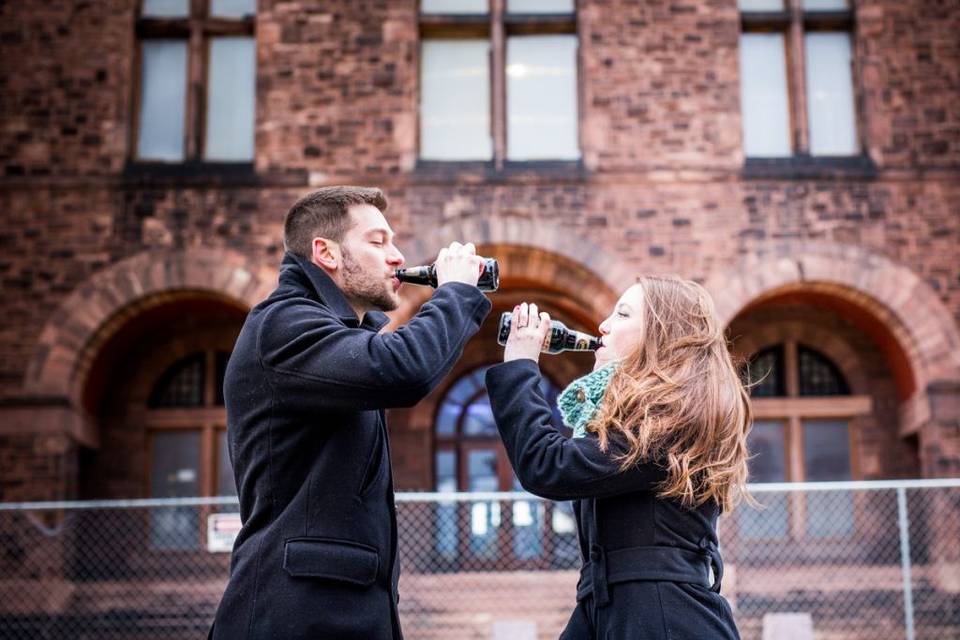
222,530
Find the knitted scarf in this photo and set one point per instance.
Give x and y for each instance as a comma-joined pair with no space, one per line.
579,401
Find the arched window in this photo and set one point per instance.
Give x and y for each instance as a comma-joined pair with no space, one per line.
186,426
470,457
803,412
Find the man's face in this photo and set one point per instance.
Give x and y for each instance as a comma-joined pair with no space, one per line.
369,261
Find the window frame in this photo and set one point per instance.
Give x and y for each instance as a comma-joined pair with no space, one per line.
794,22
791,410
197,28
209,420
496,26
460,445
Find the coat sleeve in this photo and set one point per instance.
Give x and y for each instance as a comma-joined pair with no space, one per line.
324,364
548,463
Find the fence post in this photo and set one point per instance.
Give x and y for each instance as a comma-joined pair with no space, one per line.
905,560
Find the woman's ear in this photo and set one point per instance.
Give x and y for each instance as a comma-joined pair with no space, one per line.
326,254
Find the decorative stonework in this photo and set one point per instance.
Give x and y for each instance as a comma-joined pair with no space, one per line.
96,309
893,295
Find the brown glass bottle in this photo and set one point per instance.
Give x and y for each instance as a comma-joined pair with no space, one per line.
559,339
427,275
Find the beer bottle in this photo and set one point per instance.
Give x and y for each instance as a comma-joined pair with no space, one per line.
427,275
559,339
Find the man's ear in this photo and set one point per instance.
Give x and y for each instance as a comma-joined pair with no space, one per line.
326,254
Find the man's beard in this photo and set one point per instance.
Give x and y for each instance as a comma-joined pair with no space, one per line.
365,288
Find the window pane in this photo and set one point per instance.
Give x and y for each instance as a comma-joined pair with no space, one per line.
760,5
819,376
768,463
527,523
766,373
768,453
824,5
230,99
453,6
175,473
447,419
233,8
826,450
455,100
826,446
484,516
566,549
166,8
763,95
163,87
830,94
181,385
542,98
540,6
445,511
478,420
226,484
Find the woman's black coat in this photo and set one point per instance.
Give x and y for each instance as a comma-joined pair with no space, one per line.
652,558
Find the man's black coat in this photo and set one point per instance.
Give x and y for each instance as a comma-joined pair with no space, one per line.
305,391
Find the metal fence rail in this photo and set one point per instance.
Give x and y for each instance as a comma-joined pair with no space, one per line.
851,560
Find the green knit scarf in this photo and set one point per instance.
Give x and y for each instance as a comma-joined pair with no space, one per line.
578,403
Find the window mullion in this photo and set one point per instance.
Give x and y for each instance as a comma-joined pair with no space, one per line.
498,76
210,378
797,80
195,95
207,465
796,473
791,369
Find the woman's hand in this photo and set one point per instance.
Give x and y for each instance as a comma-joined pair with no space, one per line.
528,331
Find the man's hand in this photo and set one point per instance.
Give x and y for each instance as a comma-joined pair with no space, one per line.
459,263
528,331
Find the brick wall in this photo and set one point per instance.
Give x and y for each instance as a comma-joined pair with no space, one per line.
661,187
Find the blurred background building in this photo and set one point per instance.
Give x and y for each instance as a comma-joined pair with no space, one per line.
800,158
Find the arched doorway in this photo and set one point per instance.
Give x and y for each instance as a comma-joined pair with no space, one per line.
470,457
825,400
156,389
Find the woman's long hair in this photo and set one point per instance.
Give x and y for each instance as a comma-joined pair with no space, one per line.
677,399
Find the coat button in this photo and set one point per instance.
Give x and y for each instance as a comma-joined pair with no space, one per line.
581,395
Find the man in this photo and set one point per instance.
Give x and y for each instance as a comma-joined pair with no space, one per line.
305,391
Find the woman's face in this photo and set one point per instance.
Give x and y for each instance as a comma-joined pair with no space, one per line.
623,328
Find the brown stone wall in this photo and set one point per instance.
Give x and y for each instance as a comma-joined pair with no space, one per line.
37,467
66,71
661,188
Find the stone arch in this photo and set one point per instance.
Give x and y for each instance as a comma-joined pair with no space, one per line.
95,310
922,340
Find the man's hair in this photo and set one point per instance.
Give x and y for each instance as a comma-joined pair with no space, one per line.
323,214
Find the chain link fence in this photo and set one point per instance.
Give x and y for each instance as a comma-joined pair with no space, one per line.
872,560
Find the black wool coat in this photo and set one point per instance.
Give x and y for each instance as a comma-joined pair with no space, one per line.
660,563
305,390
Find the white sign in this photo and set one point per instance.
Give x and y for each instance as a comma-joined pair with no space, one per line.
222,530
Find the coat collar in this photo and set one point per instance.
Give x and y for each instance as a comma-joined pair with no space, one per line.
298,270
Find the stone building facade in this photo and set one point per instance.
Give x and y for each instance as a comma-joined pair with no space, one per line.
116,271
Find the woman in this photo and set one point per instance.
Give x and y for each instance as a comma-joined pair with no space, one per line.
659,451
